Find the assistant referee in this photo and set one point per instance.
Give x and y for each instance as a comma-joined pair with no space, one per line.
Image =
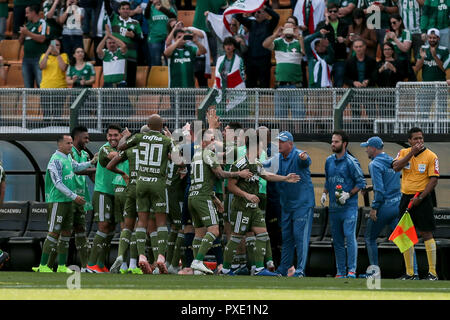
420,172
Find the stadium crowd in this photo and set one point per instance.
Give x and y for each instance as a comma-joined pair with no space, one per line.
322,44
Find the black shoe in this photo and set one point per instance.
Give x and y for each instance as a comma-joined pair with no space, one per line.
4,256
408,277
431,277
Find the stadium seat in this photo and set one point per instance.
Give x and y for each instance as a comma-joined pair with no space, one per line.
13,219
26,249
284,14
319,223
141,76
14,77
187,16
158,77
10,50
98,77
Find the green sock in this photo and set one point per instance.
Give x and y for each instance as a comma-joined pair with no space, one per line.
260,249
171,244
82,247
250,248
50,244
196,243
101,260
154,242
230,251
163,236
177,250
97,247
207,242
133,248
268,256
52,258
63,249
141,238
124,242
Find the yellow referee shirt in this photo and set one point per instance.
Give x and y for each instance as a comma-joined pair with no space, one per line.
417,173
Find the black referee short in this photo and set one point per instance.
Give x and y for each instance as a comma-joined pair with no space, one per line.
422,216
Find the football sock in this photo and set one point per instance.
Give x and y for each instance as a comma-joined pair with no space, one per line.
52,258
133,263
171,244
230,251
206,244
250,248
217,250
408,255
141,235
196,243
268,256
177,250
101,260
97,247
62,249
124,242
188,250
163,236
260,249
133,248
82,247
154,242
430,247
50,244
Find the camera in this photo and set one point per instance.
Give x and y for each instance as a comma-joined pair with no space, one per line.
188,37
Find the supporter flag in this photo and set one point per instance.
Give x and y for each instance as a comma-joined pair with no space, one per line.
216,21
404,235
241,6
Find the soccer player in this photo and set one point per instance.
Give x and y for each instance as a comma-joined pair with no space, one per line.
202,202
420,173
59,194
343,169
103,200
246,214
80,138
297,203
129,213
151,193
386,188
4,256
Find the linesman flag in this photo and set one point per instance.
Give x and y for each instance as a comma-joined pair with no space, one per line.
241,6
404,235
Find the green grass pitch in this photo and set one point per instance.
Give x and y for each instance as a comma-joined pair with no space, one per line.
29,285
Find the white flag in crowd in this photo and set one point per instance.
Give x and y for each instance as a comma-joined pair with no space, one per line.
241,6
216,21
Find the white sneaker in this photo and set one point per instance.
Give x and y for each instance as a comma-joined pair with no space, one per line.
156,271
253,271
116,265
84,270
199,273
198,265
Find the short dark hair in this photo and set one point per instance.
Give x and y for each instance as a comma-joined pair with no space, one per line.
124,3
230,40
35,7
293,18
114,126
77,130
60,137
176,32
332,5
413,130
235,125
343,134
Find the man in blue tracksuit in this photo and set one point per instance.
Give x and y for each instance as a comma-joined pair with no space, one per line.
343,169
387,195
297,203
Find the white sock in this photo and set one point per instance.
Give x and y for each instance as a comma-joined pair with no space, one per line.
258,269
124,266
133,263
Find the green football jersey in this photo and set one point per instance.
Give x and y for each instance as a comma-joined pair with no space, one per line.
31,48
119,27
52,194
157,25
103,177
114,66
81,187
430,69
250,185
202,176
181,67
118,180
131,155
174,182
153,150
85,73
288,57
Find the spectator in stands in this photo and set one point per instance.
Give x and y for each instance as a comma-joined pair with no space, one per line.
435,14
360,72
158,16
19,14
320,56
99,27
3,17
187,5
53,64
371,9
389,69
52,10
358,29
71,19
33,36
80,74
129,31
410,13
434,61
297,203
338,31
89,16
258,59
114,61
287,43
343,169
399,37
309,13
345,12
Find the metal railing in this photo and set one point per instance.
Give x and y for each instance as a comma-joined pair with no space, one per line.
370,110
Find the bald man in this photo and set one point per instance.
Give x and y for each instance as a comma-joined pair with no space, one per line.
154,149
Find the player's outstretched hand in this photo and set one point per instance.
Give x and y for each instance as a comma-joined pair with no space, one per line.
292,178
80,200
